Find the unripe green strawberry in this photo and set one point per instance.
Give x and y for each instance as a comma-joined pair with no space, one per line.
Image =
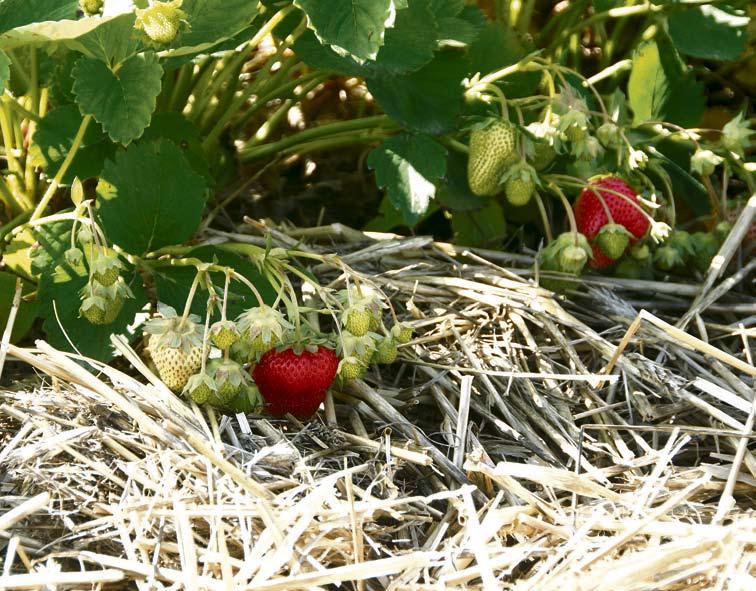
667,258
242,352
575,133
556,284
493,148
631,268
705,247
224,334
402,333
543,155
376,321
175,365
229,377
93,308
84,235
610,135
160,21
681,240
640,252
351,368
573,259
175,345
386,352
262,328
90,7
200,388
519,183
613,240
246,401
73,256
518,191
357,320
722,230
106,268
113,309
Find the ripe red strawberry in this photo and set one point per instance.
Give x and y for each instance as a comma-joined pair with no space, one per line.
591,215
295,383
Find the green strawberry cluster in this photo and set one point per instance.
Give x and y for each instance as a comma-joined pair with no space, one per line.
180,346
361,342
103,296
681,253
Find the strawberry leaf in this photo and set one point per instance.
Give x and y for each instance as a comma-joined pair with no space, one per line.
479,227
661,88
407,166
17,13
209,23
149,197
355,27
709,32
428,100
52,141
121,101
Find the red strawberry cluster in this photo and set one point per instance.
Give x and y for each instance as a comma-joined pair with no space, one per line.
621,201
295,383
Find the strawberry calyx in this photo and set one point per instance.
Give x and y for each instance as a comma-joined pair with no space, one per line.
613,240
200,388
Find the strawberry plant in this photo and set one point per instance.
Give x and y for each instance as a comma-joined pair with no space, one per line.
129,128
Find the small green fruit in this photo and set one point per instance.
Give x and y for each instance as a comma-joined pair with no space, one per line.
224,334
613,240
386,352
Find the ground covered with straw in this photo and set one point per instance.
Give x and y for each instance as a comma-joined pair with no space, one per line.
525,441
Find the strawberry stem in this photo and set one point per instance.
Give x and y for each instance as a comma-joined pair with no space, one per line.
190,298
544,216
568,210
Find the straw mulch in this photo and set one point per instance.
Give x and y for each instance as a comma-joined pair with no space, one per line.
513,447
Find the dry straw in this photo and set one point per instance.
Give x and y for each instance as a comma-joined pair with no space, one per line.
524,442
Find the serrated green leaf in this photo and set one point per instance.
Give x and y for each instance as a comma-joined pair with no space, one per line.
109,39
182,132
149,197
52,141
49,242
352,26
123,101
428,100
407,166
447,8
479,227
173,283
113,41
496,48
410,43
463,29
210,21
17,13
659,87
316,55
709,32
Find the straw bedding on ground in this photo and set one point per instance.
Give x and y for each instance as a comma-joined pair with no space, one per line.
524,441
